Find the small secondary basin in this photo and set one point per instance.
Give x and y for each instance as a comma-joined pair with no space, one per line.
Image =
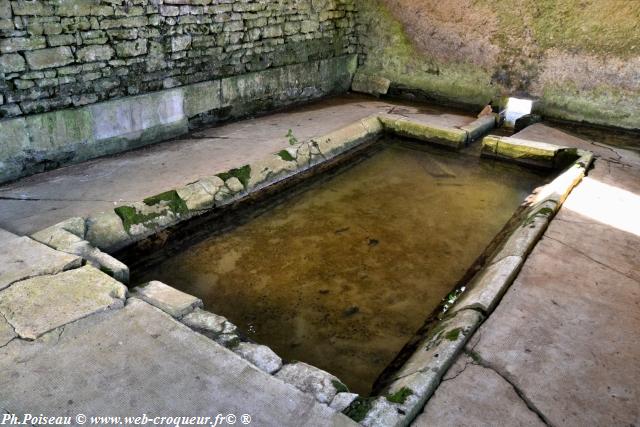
343,274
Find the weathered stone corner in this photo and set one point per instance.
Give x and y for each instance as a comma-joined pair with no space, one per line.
170,300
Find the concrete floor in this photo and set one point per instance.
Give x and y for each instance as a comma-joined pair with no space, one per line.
563,346
36,202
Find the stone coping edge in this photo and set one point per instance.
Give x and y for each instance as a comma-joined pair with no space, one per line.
107,232
188,310
417,380
526,152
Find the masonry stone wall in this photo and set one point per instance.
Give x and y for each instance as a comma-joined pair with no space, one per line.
86,78
57,54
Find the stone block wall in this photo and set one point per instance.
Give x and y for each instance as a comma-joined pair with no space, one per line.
85,78
58,54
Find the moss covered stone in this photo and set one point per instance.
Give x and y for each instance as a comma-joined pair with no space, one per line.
243,174
130,216
339,386
286,156
453,334
450,137
400,396
172,199
359,408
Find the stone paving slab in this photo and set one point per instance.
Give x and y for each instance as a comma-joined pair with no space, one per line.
40,304
7,333
575,354
140,360
22,257
565,335
102,184
448,408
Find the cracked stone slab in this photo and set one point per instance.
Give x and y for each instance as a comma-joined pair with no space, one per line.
421,374
319,383
6,332
577,356
140,360
170,300
459,400
63,240
22,258
40,304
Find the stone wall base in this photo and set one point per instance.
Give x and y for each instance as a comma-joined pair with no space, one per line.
43,142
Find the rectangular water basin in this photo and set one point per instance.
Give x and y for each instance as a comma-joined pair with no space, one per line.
344,272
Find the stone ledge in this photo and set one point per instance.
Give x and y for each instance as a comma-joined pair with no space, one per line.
175,303
531,153
59,238
114,230
416,381
309,379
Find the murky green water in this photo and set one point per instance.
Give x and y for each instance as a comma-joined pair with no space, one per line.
342,276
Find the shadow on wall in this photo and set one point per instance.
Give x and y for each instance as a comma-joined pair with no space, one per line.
580,59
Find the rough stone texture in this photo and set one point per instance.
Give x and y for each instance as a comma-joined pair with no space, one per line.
60,239
38,305
532,153
22,258
421,374
583,67
448,408
321,384
105,231
139,360
384,413
211,325
170,300
372,85
41,142
260,355
106,50
199,195
402,126
342,400
80,190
